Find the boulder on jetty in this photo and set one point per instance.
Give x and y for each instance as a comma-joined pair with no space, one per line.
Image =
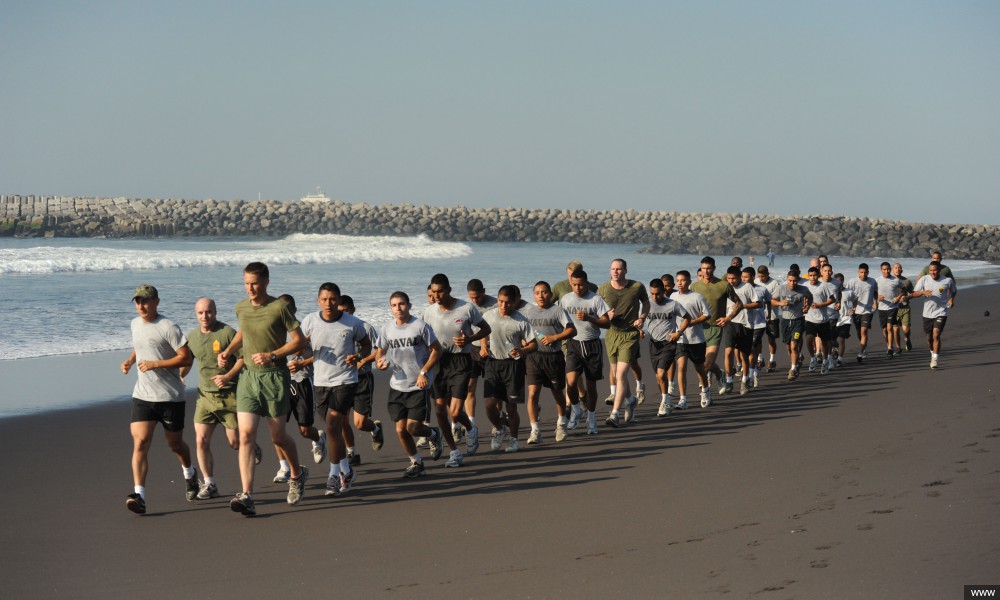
661,232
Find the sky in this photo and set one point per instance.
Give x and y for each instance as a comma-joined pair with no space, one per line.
887,109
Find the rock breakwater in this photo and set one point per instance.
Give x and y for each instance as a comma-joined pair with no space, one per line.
660,231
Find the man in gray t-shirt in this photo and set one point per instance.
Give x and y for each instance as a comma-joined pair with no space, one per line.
793,300
583,352
160,350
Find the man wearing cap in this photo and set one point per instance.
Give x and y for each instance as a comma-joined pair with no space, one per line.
159,350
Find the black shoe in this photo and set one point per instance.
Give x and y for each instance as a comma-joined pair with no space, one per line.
135,503
434,441
414,470
354,459
192,487
909,346
888,354
378,437
771,366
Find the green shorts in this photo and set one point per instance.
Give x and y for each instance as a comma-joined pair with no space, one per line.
903,316
264,392
621,346
713,336
216,407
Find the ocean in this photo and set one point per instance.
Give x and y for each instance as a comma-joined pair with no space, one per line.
73,296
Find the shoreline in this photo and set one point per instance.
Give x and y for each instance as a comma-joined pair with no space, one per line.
876,480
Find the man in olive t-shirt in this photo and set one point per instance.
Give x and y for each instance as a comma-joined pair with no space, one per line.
716,292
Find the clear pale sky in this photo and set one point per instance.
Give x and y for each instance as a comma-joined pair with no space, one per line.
882,109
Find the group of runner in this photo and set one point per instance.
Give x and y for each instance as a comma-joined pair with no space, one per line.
275,367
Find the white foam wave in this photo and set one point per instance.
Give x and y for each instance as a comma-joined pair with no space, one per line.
296,249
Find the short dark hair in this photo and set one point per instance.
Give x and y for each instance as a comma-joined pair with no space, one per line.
707,260
667,277
259,269
509,291
578,274
545,283
402,295
475,285
813,270
333,288
749,271
733,270
441,279
289,301
885,264
622,261
863,266
347,301
656,284
684,273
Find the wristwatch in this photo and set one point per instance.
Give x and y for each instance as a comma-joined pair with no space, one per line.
423,373
274,357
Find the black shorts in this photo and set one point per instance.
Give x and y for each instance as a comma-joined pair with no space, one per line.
860,321
727,335
302,403
791,330
758,337
452,377
585,357
740,337
662,354
844,331
772,329
821,330
339,398
504,380
888,317
936,323
168,414
408,405
363,395
478,365
695,352
547,369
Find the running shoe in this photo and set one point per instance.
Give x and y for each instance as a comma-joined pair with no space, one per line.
512,445
332,486
610,400
682,404
640,393
243,504
840,362
744,387
535,437
319,448
416,469
135,503
472,441
909,346
630,404
812,364
888,354
672,389
455,459
933,362
591,424
560,433
422,442
706,398
575,414
613,421
434,443
824,368
347,479
297,487
665,409
498,438
457,432
191,486
353,457
792,374
378,436
282,476
258,454
771,366
207,491
756,380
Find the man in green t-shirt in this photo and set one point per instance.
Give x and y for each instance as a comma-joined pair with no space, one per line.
629,305
216,402
263,390
715,291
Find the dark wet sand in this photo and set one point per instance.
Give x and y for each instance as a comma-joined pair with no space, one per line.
881,480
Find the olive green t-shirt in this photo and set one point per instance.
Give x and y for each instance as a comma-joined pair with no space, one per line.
265,328
715,295
626,303
206,348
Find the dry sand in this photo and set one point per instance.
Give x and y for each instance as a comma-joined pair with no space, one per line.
880,480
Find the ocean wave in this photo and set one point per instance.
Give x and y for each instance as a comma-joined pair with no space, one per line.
296,249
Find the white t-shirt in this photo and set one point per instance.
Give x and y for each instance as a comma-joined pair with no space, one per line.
157,340
696,307
593,305
942,289
407,347
332,342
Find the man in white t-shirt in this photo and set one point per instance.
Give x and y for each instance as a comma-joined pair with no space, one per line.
939,295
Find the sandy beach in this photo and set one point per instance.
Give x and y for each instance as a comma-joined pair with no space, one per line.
880,480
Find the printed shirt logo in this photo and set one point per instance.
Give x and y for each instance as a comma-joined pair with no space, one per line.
216,346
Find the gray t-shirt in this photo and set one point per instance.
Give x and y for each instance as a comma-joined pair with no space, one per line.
663,319
407,347
373,336
888,287
865,293
512,331
448,324
795,297
549,321
593,305
488,303
332,342
758,316
157,340
748,295
942,289
772,286
696,307
846,313
821,292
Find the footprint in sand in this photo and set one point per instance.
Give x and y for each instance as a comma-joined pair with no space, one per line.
866,527
819,564
937,483
933,494
884,511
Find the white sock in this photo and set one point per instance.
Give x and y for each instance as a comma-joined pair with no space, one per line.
350,450
663,397
934,354
141,490
188,472
639,385
283,465
416,459
683,398
561,421
534,426
729,378
613,389
210,480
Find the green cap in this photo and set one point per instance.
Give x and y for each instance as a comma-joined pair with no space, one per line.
145,291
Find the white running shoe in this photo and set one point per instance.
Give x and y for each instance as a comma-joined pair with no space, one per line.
812,364
512,445
535,437
592,424
421,442
560,433
933,362
575,416
472,441
282,476
756,380
457,432
630,404
610,400
498,437
455,459
672,389
824,368
683,403
706,397
744,387
319,448
665,408
640,393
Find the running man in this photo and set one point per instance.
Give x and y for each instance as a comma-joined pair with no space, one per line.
666,323
793,300
758,324
452,321
303,403
510,339
845,318
716,292
268,334
339,341
903,314
483,302
890,292
160,351
364,395
771,327
408,345
584,366
629,307
547,367
939,295
737,320
216,404
865,300
817,324
691,345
